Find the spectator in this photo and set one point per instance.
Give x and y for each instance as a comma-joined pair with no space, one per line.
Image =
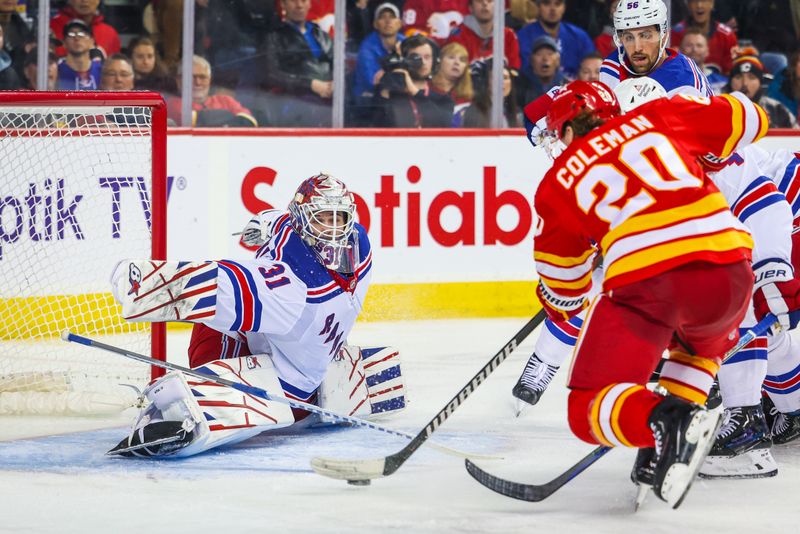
520,13
721,39
604,42
475,34
573,42
769,24
213,110
746,76
785,87
589,71
29,70
168,15
15,32
434,18
375,47
478,114
298,64
117,74
695,46
405,98
9,79
236,30
546,67
150,74
453,78
361,19
589,15
78,70
106,38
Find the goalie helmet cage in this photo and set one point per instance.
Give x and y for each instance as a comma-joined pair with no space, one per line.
82,185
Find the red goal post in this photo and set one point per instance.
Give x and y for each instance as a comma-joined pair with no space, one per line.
82,185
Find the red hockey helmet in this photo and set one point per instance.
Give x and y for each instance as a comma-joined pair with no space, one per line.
579,96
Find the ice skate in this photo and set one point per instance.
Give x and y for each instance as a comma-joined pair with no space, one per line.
742,447
161,438
532,383
684,433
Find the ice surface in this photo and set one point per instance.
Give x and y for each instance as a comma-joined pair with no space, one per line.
65,483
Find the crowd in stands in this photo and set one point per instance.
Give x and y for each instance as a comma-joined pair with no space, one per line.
408,63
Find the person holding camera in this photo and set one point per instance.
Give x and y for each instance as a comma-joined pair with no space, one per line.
404,96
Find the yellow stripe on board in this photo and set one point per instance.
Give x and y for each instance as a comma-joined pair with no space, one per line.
37,317
31,317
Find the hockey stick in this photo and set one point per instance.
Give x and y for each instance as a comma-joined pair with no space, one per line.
382,467
537,492
251,390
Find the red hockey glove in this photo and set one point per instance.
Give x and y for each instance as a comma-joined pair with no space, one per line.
777,291
558,307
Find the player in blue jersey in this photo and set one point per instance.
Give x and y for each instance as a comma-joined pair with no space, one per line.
279,322
641,31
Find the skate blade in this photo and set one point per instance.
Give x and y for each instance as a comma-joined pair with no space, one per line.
641,496
757,463
678,480
520,407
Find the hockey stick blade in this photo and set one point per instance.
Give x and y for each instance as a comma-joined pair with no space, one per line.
382,467
539,492
255,391
533,492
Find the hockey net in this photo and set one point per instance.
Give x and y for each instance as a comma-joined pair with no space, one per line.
82,185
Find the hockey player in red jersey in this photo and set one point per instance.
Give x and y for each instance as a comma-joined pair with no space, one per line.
676,263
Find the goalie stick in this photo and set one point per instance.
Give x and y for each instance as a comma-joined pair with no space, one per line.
355,470
539,492
251,390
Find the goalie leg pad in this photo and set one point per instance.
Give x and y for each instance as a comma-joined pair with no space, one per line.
233,416
363,381
208,414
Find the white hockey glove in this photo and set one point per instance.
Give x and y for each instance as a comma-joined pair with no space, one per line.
256,231
776,291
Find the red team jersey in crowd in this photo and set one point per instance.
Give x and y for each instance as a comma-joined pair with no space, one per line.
635,188
480,48
721,43
435,18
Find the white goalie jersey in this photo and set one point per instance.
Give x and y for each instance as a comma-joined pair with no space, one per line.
285,302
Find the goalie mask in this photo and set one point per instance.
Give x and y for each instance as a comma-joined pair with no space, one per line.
323,214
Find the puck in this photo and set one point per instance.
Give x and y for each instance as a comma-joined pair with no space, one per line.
365,482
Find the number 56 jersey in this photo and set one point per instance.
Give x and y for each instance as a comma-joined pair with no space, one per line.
634,187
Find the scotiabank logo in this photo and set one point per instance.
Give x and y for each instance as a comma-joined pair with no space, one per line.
388,206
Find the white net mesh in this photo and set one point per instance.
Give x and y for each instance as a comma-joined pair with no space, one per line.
75,190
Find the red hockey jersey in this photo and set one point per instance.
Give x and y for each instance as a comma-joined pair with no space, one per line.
634,188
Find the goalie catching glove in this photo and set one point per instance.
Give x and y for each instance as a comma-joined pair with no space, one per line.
558,307
776,291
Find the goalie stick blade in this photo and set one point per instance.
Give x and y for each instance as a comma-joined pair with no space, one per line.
533,492
349,469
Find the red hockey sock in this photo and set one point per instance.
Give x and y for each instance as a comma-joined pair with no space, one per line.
614,415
